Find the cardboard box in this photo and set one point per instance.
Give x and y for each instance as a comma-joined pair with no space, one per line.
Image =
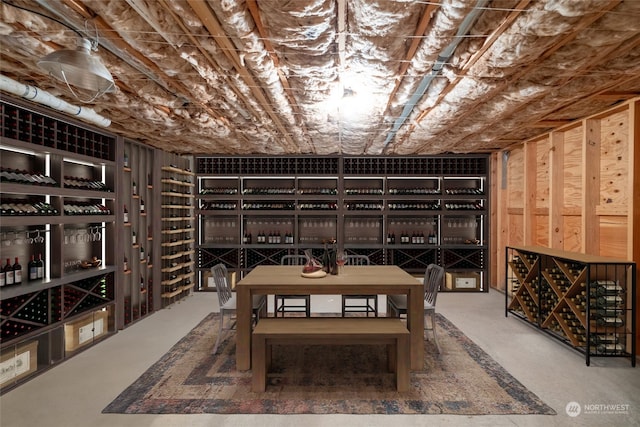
83,331
19,363
208,279
462,281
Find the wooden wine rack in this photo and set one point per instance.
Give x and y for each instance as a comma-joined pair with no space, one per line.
586,302
177,247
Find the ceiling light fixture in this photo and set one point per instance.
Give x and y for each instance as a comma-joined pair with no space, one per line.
77,67
80,69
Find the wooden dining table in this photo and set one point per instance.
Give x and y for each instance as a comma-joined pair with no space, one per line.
352,280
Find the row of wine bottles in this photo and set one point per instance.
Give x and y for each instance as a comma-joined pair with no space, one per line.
429,206
273,237
85,184
17,176
11,274
86,208
20,207
415,238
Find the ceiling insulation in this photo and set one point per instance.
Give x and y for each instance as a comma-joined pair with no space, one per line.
372,77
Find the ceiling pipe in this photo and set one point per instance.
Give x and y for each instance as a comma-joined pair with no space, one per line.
439,64
45,98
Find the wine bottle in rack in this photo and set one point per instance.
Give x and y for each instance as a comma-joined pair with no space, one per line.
40,267
141,206
32,266
126,214
134,189
134,239
3,277
8,271
126,160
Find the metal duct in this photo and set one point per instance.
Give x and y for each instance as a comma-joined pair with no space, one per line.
45,98
444,56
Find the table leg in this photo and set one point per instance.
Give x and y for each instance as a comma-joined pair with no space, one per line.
243,329
415,324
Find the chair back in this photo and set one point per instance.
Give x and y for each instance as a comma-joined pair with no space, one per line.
220,278
357,260
433,278
293,260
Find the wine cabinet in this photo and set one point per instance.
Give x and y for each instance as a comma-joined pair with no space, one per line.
587,302
409,211
139,280
58,223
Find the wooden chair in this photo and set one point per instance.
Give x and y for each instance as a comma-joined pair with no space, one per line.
227,301
292,303
368,303
433,279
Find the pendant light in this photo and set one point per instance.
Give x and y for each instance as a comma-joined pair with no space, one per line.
80,69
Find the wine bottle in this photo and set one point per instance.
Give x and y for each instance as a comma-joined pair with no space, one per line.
8,271
3,277
610,348
40,267
141,206
610,321
126,160
135,188
32,266
126,214
141,253
134,239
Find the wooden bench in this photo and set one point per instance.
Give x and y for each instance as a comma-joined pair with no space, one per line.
330,331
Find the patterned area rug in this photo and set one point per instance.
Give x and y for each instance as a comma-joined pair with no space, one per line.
463,380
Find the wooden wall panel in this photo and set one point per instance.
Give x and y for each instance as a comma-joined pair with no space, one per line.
614,163
572,233
543,148
614,236
542,230
572,168
515,179
516,225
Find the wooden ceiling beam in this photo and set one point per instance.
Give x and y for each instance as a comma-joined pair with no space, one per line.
209,20
252,5
561,42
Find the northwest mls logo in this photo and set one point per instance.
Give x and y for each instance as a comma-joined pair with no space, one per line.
573,409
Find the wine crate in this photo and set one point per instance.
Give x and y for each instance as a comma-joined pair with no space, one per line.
83,331
462,281
17,364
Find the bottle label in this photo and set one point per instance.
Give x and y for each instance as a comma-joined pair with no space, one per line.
3,279
9,279
40,272
17,276
33,273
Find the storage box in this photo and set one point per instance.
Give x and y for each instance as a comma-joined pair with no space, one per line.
208,279
463,281
83,331
18,364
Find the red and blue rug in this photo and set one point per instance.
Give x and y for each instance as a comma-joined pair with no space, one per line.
462,380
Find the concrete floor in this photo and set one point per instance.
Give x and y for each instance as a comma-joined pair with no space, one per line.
73,393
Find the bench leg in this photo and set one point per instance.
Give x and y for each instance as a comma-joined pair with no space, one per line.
258,364
402,363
